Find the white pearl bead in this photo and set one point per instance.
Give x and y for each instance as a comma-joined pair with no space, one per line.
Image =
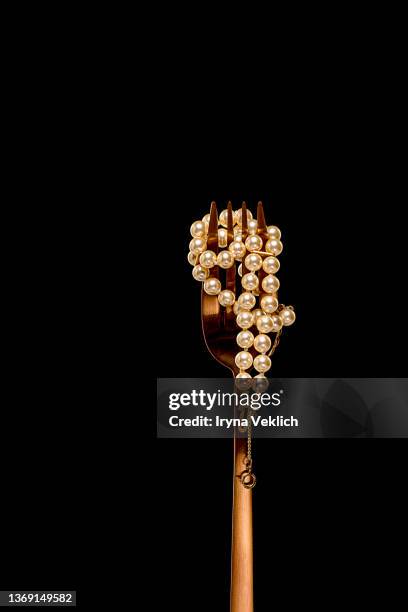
238,216
245,339
237,308
245,319
240,269
262,363
198,229
246,300
208,259
257,313
250,281
260,383
262,343
273,232
264,324
274,246
206,219
225,259
288,316
237,234
237,249
197,245
243,360
270,283
254,243
253,262
192,258
200,273
212,286
271,265
222,237
276,323
223,218
252,226
243,381
226,298
269,304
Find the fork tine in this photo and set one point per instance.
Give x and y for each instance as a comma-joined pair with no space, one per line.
244,228
213,225
230,226
210,306
212,238
261,218
230,276
244,221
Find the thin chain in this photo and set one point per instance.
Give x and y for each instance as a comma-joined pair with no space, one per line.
249,444
247,477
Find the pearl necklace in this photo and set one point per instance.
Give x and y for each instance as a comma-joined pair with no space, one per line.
268,315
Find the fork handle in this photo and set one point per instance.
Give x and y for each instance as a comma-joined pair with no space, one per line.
242,599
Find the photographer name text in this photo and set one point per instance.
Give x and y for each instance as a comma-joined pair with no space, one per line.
256,421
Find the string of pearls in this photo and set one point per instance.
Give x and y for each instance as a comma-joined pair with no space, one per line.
268,316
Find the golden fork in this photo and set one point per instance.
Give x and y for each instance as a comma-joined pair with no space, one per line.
220,330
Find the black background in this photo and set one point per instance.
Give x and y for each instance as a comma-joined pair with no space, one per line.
313,129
